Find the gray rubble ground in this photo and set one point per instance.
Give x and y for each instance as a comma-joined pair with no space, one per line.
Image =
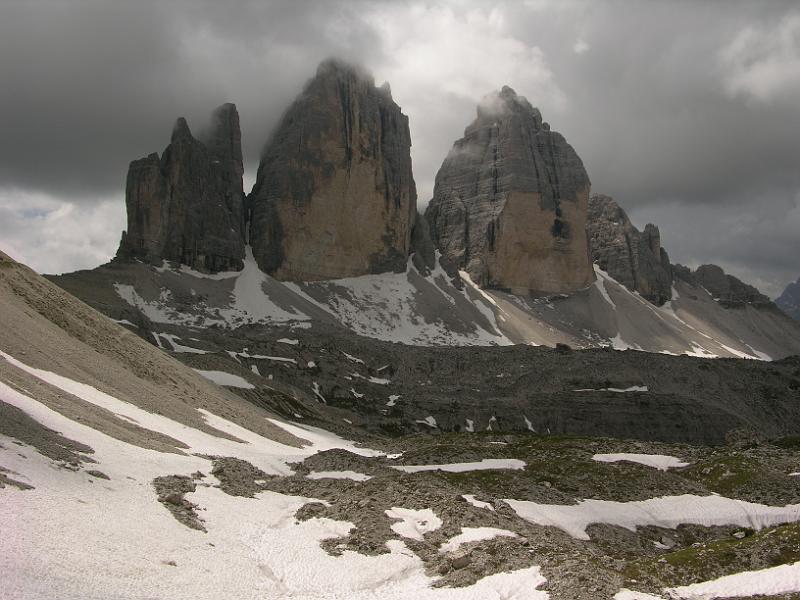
511,389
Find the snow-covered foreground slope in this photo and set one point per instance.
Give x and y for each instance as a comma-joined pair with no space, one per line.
428,309
78,535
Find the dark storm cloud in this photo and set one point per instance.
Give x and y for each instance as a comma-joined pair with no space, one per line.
683,111
89,86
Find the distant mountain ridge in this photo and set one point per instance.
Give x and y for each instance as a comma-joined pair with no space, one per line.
789,300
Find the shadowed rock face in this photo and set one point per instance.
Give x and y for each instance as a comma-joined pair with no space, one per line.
335,196
188,205
789,301
510,202
726,289
632,257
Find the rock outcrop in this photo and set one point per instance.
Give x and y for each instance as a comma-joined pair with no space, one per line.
789,300
632,257
335,196
510,201
188,206
726,289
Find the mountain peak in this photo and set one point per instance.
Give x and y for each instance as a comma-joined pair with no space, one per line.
509,204
181,131
335,195
499,105
342,69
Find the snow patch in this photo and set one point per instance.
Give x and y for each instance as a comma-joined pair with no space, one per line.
599,284
317,392
226,379
474,534
667,512
176,347
484,465
633,388
413,524
352,358
661,462
477,503
338,475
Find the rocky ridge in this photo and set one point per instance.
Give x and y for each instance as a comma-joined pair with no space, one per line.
789,300
726,289
510,201
634,258
187,206
335,196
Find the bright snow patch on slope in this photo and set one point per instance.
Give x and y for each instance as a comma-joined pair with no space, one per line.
227,379
176,347
667,512
338,475
633,388
413,524
250,300
661,462
619,344
700,352
599,284
429,421
474,534
783,579
386,306
352,358
631,595
477,503
484,465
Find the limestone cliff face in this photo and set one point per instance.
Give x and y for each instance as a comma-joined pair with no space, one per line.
335,196
632,257
188,205
510,202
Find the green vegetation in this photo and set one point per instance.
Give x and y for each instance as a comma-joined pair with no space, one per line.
699,562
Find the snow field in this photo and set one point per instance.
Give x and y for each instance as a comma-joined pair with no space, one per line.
667,512
131,547
661,462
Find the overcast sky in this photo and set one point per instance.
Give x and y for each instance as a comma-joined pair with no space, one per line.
687,113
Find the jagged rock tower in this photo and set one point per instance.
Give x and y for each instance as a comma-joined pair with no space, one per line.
188,205
510,200
335,196
632,257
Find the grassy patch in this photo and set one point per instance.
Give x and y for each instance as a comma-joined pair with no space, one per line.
757,550
726,474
